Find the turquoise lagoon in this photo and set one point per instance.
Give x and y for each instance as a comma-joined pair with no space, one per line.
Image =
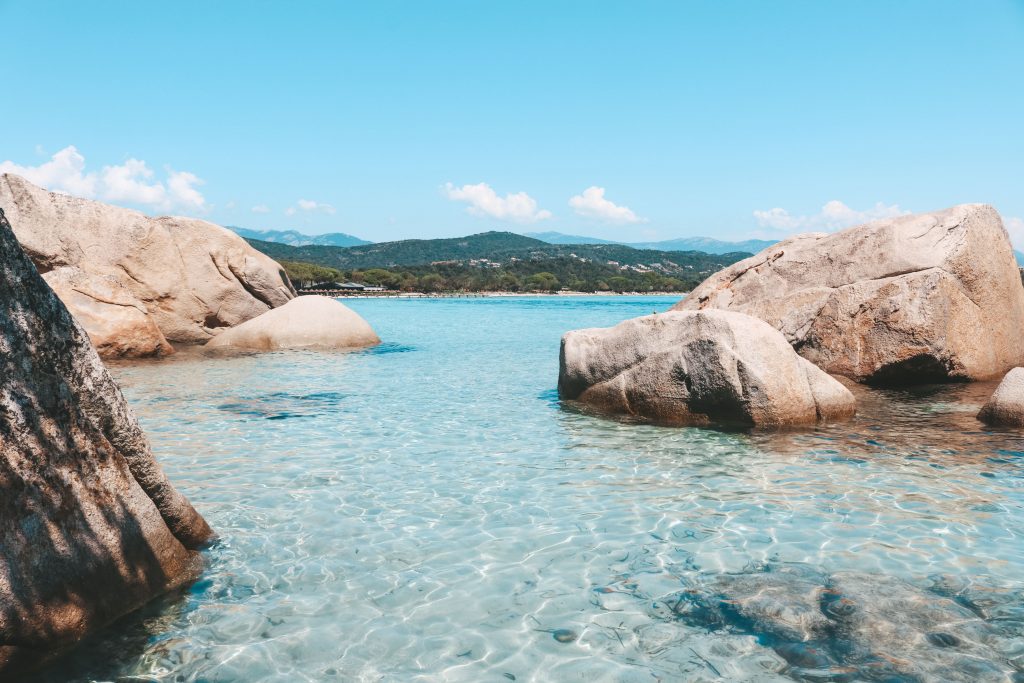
428,511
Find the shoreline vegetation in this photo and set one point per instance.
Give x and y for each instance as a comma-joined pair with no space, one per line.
544,276
497,294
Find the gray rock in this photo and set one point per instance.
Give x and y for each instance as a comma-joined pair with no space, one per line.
855,626
931,297
187,278
706,367
1006,406
90,528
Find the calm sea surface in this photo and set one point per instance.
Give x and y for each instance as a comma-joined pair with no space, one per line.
427,511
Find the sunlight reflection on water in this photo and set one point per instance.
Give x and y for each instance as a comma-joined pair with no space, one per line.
427,511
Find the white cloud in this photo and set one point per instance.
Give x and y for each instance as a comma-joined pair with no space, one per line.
131,182
230,205
484,201
835,215
261,208
1015,226
592,204
309,205
65,171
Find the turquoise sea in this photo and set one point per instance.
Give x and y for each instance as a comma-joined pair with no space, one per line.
428,511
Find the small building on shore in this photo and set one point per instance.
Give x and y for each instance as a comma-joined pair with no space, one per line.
349,287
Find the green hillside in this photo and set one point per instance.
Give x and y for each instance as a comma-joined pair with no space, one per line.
499,261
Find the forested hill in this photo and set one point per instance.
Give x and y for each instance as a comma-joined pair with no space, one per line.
496,247
498,261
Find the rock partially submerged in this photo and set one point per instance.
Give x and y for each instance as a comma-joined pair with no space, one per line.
852,626
90,528
186,278
698,367
1006,407
931,297
307,322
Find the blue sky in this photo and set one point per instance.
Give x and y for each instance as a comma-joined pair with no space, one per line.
630,120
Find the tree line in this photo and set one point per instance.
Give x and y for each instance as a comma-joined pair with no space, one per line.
548,275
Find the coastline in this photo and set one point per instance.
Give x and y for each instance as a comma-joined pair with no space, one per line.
482,295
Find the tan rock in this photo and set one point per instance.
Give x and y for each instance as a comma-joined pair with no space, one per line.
191,277
90,528
930,297
306,322
118,324
1006,406
707,367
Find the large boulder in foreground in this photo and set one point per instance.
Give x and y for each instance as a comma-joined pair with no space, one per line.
190,278
90,528
306,322
698,367
1006,407
931,297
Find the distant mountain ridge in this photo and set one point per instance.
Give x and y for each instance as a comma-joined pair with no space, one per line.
708,245
298,239
562,238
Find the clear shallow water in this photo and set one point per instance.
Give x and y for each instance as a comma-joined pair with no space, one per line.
428,511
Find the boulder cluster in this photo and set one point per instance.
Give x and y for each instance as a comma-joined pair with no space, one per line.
90,528
141,285
933,297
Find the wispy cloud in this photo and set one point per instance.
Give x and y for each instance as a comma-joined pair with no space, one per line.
484,201
132,182
834,215
592,204
308,205
261,208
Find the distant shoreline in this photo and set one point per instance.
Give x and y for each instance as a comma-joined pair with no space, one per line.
482,295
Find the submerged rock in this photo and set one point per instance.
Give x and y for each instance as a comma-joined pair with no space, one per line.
855,626
90,528
1006,407
924,298
706,367
187,278
307,322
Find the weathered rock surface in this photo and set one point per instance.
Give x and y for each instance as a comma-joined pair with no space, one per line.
931,297
698,367
852,626
190,278
306,322
90,528
118,324
1006,407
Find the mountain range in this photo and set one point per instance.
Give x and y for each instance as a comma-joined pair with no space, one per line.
299,239
708,245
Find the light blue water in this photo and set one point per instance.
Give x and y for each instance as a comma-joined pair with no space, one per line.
427,511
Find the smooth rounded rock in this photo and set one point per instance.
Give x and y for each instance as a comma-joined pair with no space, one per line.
698,368
306,322
913,299
1006,406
